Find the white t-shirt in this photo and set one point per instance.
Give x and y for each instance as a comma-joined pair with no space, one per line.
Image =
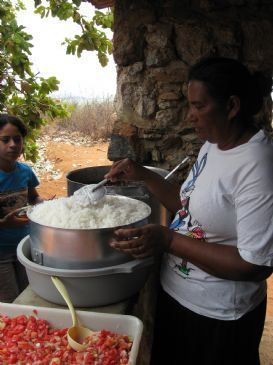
228,199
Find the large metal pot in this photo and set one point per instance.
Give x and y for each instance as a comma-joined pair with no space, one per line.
137,190
77,248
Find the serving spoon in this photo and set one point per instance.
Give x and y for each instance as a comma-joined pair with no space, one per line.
91,193
76,334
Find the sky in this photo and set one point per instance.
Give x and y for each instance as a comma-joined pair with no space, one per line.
82,77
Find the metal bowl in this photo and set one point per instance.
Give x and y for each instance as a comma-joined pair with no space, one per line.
78,248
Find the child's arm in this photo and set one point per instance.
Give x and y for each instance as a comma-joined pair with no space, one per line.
13,220
34,197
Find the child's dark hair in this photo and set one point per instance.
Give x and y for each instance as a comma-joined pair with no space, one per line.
225,77
11,119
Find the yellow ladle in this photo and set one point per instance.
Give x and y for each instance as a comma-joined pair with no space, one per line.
76,334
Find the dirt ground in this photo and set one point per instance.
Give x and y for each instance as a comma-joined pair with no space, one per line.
65,157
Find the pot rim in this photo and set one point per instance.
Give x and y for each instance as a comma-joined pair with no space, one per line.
105,229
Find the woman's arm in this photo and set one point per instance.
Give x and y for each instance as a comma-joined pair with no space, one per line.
165,192
218,260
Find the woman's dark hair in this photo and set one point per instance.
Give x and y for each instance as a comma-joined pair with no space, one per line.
225,77
11,119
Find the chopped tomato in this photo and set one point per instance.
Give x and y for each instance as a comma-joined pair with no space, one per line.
30,340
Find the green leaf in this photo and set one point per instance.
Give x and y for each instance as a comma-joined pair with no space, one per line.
77,2
22,92
37,3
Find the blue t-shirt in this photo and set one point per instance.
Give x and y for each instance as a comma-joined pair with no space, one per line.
14,194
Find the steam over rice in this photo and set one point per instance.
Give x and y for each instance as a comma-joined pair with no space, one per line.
110,211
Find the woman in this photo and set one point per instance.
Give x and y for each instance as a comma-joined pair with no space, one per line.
17,189
219,247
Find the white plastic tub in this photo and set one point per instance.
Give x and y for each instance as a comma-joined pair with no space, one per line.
89,287
60,318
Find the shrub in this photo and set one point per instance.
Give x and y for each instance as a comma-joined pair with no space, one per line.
93,118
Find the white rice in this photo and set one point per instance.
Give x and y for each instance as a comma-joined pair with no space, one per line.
110,211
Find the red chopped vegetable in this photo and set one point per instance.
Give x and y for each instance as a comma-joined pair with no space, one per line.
28,340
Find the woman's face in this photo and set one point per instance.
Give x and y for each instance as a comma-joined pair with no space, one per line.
11,143
210,120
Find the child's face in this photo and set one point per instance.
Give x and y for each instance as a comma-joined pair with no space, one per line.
11,143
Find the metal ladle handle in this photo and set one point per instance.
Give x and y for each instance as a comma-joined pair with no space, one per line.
98,185
176,168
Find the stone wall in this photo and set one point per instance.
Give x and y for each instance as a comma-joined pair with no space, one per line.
154,43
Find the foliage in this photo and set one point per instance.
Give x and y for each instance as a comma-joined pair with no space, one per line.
26,95
21,92
91,38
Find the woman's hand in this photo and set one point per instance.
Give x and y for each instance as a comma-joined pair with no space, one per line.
144,241
126,170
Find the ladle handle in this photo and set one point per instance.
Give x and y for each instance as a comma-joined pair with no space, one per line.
98,185
64,293
176,168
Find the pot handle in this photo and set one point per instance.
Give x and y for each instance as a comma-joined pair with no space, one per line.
37,256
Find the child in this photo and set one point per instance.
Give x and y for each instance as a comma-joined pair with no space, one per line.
17,189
